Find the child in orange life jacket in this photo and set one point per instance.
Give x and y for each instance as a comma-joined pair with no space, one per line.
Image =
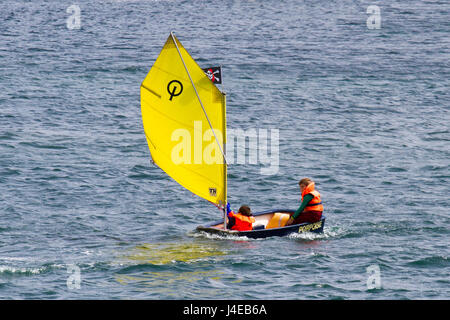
311,207
241,221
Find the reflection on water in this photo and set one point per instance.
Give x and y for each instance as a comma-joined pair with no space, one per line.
167,278
170,278
164,253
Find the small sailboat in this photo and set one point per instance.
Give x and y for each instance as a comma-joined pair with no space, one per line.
184,119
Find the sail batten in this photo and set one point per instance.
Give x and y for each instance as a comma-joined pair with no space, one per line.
184,121
151,91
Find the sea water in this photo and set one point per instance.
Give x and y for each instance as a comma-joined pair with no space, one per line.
358,92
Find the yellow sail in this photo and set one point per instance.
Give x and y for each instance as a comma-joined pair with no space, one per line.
180,109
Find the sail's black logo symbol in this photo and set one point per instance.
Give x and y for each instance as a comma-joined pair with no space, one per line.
174,88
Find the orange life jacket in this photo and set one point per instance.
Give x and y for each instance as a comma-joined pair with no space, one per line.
315,204
243,223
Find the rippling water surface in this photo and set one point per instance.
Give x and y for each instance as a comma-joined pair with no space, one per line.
364,112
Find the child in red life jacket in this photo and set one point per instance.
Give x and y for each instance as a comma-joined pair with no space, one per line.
241,221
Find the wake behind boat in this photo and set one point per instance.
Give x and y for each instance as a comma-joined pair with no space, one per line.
184,119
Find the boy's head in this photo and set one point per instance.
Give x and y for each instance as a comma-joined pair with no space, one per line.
245,210
304,183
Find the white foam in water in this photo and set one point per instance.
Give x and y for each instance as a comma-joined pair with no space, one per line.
7,269
327,234
219,237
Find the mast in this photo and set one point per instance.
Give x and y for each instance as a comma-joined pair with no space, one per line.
214,133
225,164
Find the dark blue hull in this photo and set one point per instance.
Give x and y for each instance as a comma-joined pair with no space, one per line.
217,227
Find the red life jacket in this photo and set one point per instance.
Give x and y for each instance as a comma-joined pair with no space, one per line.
315,204
243,223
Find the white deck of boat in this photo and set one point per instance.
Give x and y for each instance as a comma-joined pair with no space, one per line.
260,220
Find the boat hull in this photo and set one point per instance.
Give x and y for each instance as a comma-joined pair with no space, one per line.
217,227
